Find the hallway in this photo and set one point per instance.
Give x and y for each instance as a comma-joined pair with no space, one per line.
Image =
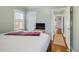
59,42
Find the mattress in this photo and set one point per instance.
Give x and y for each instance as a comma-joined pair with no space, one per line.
11,43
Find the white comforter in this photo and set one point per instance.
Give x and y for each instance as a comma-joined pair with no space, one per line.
9,43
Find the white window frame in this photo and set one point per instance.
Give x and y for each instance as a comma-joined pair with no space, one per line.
20,11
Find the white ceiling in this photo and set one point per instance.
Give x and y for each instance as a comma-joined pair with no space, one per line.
33,7
57,9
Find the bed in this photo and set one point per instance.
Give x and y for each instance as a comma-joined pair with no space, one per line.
19,43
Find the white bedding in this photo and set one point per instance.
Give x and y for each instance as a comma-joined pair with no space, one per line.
9,43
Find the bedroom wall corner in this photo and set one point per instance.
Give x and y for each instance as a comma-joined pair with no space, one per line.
7,18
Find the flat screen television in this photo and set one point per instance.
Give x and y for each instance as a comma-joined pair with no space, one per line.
40,26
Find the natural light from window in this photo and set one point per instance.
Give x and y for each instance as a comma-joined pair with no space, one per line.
19,20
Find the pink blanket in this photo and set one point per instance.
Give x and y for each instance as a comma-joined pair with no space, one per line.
24,33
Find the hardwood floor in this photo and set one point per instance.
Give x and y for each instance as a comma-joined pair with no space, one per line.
56,48
58,44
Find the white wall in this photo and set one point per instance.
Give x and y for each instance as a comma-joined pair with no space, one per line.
42,16
31,20
52,23
7,18
76,29
67,25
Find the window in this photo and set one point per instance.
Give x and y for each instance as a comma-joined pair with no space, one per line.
19,20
